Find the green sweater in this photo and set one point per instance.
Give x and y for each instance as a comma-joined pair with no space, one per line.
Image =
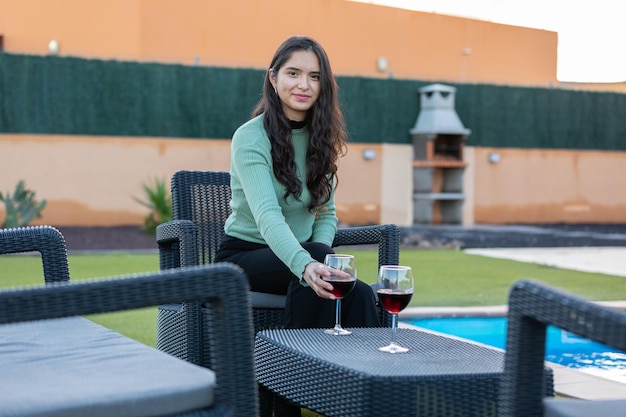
260,213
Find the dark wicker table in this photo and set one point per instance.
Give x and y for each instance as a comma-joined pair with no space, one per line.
349,376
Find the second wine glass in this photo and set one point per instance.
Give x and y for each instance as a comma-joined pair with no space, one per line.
395,289
341,286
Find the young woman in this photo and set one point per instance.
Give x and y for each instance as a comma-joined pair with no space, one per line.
283,178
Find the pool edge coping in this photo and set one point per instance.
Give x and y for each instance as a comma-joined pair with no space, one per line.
481,311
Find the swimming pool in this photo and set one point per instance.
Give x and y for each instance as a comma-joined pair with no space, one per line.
562,347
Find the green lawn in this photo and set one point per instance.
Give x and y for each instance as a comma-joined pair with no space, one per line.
442,278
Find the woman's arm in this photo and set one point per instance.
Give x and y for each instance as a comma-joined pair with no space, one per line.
251,169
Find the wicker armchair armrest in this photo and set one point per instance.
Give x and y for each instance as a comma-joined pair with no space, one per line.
46,240
177,244
532,307
386,236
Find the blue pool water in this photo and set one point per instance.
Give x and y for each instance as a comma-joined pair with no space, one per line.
562,347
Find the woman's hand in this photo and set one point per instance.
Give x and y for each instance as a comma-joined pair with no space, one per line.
313,275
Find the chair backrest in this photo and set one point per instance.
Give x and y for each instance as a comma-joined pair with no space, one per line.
46,240
203,197
532,307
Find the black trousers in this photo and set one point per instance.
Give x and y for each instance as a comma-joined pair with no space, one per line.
303,309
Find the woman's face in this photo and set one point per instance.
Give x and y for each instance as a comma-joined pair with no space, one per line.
297,84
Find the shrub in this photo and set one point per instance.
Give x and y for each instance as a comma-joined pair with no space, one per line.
21,207
159,201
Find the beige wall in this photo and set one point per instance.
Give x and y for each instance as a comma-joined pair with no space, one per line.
546,186
397,174
376,190
92,181
469,186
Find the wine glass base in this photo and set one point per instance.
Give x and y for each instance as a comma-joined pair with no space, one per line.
393,348
338,331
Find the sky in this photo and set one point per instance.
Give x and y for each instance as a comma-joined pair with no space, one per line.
590,33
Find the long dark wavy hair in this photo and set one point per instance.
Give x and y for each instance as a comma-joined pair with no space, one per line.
324,120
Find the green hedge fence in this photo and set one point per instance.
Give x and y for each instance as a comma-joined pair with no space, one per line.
62,95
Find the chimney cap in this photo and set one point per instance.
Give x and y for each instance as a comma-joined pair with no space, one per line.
437,87
437,114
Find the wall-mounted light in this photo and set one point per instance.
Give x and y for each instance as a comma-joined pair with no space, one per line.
467,50
369,154
381,64
53,47
493,157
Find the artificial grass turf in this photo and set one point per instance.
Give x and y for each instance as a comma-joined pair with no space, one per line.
442,278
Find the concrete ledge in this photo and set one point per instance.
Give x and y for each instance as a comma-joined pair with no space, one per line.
572,383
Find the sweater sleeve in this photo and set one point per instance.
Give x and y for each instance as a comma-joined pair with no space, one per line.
252,167
325,226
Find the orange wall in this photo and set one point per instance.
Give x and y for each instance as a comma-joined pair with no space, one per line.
103,29
619,87
245,33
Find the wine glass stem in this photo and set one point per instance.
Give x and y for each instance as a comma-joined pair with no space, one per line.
338,313
394,325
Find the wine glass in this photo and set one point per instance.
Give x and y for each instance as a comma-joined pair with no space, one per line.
341,286
395,289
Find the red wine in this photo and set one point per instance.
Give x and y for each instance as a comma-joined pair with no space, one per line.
341,286
394,302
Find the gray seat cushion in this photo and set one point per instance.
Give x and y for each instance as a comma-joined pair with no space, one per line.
74,367
264,300
559,407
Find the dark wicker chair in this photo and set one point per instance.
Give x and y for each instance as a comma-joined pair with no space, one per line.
223,286
46,240
200,202
532,307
